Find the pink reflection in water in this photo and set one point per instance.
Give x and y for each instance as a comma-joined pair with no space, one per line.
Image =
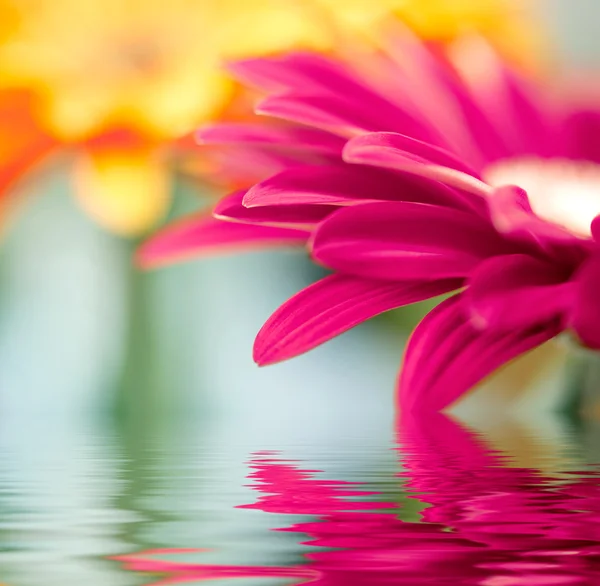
487,524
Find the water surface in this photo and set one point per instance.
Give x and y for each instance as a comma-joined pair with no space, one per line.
427,501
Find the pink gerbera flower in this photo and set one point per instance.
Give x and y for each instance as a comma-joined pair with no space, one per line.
412,175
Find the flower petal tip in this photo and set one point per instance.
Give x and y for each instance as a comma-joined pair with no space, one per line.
149,255
261,355
143,260
202,135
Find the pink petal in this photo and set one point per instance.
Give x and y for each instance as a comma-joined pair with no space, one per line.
342,184
511,212
394,151
512,215
416,75
324,112
490,144
241,166
503,116
312,82
330,307
278,137
595,228
585,317
390,142
298,216
405,241
338,114
517,291
201,234
579,135
293,71
537,123
512,109
446,356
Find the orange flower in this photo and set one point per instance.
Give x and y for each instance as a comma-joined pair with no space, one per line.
21,142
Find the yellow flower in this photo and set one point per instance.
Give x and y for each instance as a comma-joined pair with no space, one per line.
508,24
122,80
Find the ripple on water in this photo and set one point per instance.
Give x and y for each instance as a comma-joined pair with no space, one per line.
437,504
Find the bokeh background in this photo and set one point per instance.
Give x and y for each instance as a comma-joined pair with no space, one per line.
98,361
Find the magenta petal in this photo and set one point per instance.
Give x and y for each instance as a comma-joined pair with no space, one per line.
294,71
405,241
325,112
395,151
490,145
279,137
446,356
303,217
336,113
325,90
239,165
330,307
595,227
419,356
343,184
203,235
386,143
517,291
585,317
579,135
536,122
512,215
320,184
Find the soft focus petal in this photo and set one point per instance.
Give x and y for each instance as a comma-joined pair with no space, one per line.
433,87
579,135
536,120
595,228
329,113
201,234
513,109
299,216
330,307
404,241
127,191
294,71
278,137
446,356
237,166
394,151
240,154
341,184
489,143
328,91
585,317
517,291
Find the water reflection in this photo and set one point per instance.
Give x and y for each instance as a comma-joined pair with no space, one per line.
462,514
222,499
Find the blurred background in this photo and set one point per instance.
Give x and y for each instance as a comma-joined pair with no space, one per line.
106,370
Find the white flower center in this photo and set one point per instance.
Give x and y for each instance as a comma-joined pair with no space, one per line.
561,191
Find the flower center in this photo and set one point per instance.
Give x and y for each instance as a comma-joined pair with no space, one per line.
561,191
